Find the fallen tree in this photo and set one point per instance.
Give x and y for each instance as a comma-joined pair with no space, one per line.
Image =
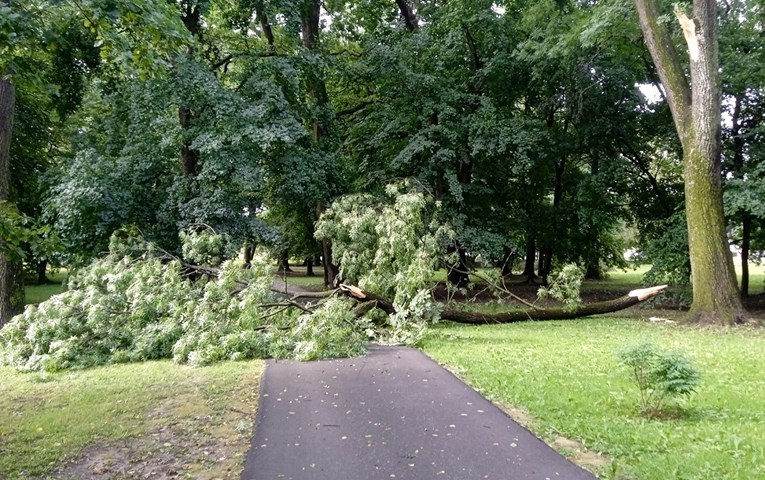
370,301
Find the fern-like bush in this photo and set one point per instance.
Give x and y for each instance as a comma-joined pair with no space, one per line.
659,375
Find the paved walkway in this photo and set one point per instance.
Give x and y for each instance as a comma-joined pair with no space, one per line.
392,414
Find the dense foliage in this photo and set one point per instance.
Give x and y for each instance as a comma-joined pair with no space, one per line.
531,124
136,304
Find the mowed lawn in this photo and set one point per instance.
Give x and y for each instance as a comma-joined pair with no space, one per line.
566,376
151,419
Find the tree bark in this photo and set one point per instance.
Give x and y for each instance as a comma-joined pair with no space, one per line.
189,156
11,275
42,266
317,92
260,13
456,273
696,113
514,316
284,262
531,253
746,237
309,267
410,19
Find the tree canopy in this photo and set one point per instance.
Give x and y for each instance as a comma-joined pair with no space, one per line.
528,126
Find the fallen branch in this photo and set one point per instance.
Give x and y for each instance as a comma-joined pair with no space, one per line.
530,314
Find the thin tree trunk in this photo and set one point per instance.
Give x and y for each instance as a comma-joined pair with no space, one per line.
284,262
531,253
456,273
309,267
746,236
189,156
507,262
247,253
330,269
260,13
42,267
317,91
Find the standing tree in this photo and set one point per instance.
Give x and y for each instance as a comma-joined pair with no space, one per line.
11,278
696,113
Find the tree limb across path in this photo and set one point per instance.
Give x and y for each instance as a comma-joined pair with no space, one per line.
513,316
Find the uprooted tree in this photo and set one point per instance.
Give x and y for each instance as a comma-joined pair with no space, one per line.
141,302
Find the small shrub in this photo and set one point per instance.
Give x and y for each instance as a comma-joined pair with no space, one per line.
659,376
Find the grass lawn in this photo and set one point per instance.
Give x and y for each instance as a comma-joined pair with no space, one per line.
39,293
153,418
299,278
566,376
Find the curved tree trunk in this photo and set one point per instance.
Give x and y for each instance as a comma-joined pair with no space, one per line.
513,316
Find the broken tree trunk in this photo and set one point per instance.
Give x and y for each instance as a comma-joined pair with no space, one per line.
529,314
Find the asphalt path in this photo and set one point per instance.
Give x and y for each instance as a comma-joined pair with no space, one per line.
394,413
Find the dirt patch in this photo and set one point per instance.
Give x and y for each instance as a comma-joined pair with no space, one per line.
188,435
571,449
577,453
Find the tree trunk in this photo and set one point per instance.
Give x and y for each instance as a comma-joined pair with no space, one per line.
191,17
260,14
410,19
11,275
309,267
284,262
746,238
531,253
42,267
330,269
696,113
507,262
189,156
248,253
530,314
593,270
317,91
457,272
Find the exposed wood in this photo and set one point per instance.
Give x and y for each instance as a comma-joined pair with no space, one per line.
513,316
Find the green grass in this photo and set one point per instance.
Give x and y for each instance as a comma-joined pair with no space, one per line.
566,376
299,278
49,418
35,294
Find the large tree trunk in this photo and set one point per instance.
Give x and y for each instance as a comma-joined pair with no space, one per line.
513,316
696,113
11,275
